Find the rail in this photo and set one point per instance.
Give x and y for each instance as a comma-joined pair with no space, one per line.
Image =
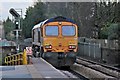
102,68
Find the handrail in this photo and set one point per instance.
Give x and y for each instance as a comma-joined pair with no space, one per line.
16,59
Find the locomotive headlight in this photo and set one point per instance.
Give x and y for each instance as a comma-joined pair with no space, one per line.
48,46
59,23
72,46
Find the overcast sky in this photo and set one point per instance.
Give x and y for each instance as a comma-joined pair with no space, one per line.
6,5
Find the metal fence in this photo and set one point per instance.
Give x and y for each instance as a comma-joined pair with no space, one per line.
92,50
106,51
16,59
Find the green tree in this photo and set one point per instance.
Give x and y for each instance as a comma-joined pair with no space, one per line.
86,15
113,31
34,15
8,27
107,14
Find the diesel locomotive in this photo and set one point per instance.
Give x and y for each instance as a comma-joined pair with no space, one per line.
56,40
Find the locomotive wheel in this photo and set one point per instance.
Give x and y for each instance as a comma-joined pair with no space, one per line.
34,53
41,53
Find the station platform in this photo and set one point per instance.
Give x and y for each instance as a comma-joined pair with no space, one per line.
39,69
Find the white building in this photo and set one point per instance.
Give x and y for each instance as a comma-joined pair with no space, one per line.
1,30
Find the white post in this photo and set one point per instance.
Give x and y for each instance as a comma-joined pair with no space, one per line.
17,40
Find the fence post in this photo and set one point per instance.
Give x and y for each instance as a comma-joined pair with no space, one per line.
24,57
89,49
83,49
94,50
100,51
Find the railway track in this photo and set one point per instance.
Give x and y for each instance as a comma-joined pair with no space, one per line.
91,69
85,69
69,74
72,75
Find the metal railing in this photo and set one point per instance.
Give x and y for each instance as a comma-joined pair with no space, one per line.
16,59
92,50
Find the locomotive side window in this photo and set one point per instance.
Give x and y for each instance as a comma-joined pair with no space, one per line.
51,30
68,30
38,35
33,35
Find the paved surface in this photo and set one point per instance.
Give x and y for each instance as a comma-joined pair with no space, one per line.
39,69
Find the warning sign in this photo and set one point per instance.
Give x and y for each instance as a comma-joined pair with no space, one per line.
29,50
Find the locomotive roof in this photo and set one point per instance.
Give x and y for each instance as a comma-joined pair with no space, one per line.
55,19
39,25
59,18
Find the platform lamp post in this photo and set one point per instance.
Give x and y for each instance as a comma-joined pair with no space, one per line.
17,25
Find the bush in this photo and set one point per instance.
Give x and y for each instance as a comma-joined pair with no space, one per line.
110,32
113,31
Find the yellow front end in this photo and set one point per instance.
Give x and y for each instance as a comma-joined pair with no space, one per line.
59,42
64,44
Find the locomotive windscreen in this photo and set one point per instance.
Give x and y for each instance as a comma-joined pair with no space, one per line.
68,30
51,30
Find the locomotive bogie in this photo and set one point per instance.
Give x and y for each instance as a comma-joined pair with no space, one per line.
60,59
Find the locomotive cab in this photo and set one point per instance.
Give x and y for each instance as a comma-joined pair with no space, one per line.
60,38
